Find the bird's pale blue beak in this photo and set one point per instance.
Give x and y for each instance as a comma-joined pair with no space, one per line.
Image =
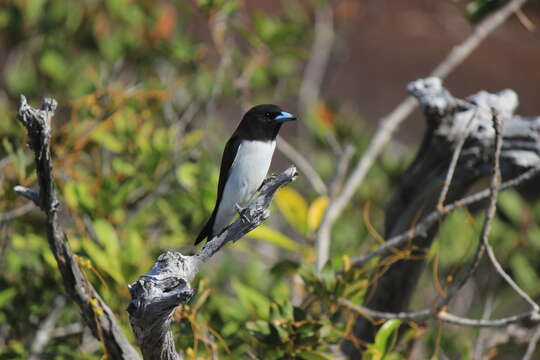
284,116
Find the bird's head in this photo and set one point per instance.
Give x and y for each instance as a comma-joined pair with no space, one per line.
265,120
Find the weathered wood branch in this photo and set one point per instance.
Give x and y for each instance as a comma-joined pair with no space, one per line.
389,123
449,120
167,285
96,314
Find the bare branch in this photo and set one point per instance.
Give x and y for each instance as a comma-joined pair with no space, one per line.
29,194
433,217
319,57
481,32
341,169
96,314
494,188
413,213
389,123
156,294
303,164
453,163
514,319
46,329
532,344
21,210
433,313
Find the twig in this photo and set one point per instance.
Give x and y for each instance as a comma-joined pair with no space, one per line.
95,312
407,316
426,314
462,51
341,169
5,239
12,214
531,348
488,221
454,161
319,57
432,217
29,194
71,329
494,188
156,294
45,331
480,343
389,123
458,320
303,164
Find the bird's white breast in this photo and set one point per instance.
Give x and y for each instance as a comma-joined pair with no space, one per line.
247,173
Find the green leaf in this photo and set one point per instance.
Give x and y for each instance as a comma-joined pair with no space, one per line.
54,65
267,234
33,9
108,140
479,9
107,258
187,175
259,327
512,205
386,337
524,271
78,194
6,296
252,299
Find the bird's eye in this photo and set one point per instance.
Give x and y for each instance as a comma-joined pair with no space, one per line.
267,115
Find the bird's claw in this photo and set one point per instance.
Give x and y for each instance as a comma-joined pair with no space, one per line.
243,213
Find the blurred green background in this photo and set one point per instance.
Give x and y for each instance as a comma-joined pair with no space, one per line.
148,93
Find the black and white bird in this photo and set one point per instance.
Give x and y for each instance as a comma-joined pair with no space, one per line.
244,164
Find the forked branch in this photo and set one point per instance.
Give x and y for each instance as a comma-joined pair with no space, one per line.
167,285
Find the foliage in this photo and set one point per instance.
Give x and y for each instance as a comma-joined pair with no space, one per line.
143,88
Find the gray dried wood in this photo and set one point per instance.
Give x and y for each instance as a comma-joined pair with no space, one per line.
167,285
448,121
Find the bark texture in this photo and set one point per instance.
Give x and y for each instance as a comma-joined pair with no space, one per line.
95,313
156,294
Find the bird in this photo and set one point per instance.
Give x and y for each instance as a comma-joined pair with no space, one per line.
244,164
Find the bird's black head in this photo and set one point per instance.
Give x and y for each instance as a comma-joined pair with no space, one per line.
262,122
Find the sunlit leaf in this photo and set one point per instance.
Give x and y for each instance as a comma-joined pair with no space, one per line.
293,207
316,212
272,236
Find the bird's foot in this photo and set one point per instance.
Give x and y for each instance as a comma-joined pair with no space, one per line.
243,214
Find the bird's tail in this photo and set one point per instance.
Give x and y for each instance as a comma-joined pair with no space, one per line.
206,232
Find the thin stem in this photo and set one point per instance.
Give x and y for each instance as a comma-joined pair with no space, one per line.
494,188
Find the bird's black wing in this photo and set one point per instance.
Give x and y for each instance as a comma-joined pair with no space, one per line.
229,154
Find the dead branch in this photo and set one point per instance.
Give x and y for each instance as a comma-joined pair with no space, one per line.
437,311
389,124
156,294
430,219
96,314
449,121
